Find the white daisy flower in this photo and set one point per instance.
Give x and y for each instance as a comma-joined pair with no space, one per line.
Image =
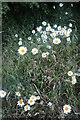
55,26
39,28
44,32
20,38
33,31
50,104
61,4
65,27
69,30
70,73
44,55
56,41
18,94
73,80
20,103
68,39
66,13
2,93
22,50
48,46
20,42
26,108
52,30
54,7
33,97
31,102
67,34
34,51
59,28
44,40
67,109
70,24
29,38
38,97
71,5
47,28
16,35
44,23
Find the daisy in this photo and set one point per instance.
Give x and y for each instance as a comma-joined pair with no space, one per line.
67,34
56,41
44,23
38,97
71,5
18,94
50,104
33,31
34,51
16,35
29,38
44,40
31,102
69,30
55,26
2,93
20,103
44,55
67,109
33,97
20,42
68,39
66,13
59,27
26,108
48,46
70,24
54,7
22,50
39,28
73,80
49,28
20,38
44,32
65,27
52,30
61,4
70,73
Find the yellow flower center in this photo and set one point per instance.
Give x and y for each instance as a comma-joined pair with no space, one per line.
69,73
56,41
66,108
2,93
34,51
43,54
26,107
50,28
20,101
31,101
22,50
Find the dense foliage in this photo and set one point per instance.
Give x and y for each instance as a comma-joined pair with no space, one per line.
33,75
